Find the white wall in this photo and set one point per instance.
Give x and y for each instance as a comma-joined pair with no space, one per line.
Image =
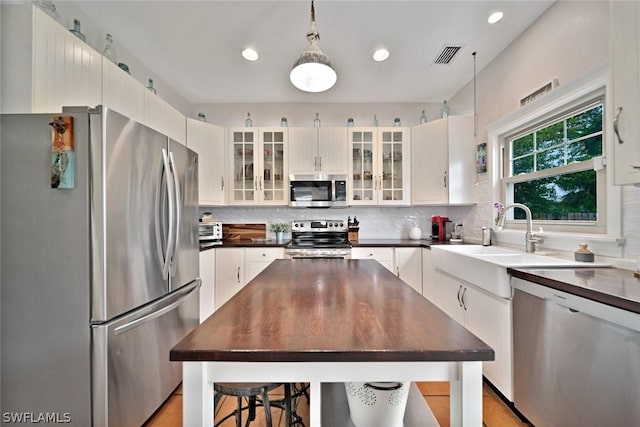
95,34
567,40
267,115
375,223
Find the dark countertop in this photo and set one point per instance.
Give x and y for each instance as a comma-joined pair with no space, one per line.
392,243
326,310
612,286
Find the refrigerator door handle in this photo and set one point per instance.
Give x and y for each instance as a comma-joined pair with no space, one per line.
170,197
178,214
179,296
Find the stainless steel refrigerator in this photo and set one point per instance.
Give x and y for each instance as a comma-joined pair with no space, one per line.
99,281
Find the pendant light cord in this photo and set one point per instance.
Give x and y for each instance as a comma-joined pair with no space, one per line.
475,105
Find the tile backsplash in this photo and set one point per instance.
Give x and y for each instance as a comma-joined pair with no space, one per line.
375,222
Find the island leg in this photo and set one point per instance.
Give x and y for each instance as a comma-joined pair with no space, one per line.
466,395
197,395
315,403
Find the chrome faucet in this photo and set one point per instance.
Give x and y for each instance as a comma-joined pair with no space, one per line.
530,238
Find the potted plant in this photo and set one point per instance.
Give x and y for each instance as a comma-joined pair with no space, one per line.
279,228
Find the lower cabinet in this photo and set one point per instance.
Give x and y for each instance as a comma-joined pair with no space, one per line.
383,255
207,288
428,275
229,274
486,316
408,262
257,259
235,267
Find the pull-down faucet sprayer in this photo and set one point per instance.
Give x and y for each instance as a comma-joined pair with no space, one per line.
530,238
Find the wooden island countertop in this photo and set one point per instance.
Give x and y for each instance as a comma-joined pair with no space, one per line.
330,320
329,310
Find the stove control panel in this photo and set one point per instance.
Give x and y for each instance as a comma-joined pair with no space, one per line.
320,226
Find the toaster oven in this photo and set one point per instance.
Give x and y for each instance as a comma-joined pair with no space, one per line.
210,230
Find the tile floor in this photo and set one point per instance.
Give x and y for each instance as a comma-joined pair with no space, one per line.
495,412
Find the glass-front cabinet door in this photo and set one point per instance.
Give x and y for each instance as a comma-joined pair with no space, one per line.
259,166
272,182
362,176
379,163
392,145
243,147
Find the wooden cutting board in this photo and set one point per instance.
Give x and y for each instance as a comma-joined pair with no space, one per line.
244,231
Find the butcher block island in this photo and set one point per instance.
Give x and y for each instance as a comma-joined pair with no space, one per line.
325,321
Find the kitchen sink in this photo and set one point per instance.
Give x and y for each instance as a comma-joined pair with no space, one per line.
486,266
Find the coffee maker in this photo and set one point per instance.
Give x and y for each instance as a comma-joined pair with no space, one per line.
440,228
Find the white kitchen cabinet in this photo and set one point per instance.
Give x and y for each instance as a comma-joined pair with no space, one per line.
229,273
44,66
485,315
161,116
408,263
443,162
121,92
208,141
258,166
318,151
257,259
383,255
380,162
625,56
428,275
207,288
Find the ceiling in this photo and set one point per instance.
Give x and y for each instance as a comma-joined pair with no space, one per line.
196,45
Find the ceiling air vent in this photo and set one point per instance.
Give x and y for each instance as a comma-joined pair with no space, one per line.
446,54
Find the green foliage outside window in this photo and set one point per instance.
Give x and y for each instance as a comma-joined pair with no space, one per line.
559,195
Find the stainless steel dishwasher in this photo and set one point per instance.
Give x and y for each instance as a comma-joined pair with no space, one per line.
576,361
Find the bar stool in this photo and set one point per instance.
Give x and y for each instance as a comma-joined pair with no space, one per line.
257,395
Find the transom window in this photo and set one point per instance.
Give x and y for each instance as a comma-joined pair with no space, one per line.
551,168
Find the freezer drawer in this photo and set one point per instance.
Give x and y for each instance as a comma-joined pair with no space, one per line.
575,361
131,371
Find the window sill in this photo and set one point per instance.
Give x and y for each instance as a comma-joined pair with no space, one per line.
605,246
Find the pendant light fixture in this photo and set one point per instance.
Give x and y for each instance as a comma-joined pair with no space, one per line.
312,71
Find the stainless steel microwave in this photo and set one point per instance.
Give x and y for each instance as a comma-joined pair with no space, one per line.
318,191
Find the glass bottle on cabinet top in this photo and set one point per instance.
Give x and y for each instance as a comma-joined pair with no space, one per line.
151,88
423,118
316,121
76,30
109,51
444,111
248,122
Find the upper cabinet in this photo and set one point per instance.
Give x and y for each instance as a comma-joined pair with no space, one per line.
258,166
443,162
161,116
320,150
45,67
121,92
379,160
208,141
625,56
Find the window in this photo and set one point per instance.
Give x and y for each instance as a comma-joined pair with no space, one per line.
551,168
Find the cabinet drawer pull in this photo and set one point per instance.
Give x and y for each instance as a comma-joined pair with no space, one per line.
462,299
459,301
615,125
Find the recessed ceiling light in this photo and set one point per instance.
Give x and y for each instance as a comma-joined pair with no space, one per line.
380,55
495,17
250,54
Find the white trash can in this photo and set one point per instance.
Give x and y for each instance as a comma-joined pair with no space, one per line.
377,404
